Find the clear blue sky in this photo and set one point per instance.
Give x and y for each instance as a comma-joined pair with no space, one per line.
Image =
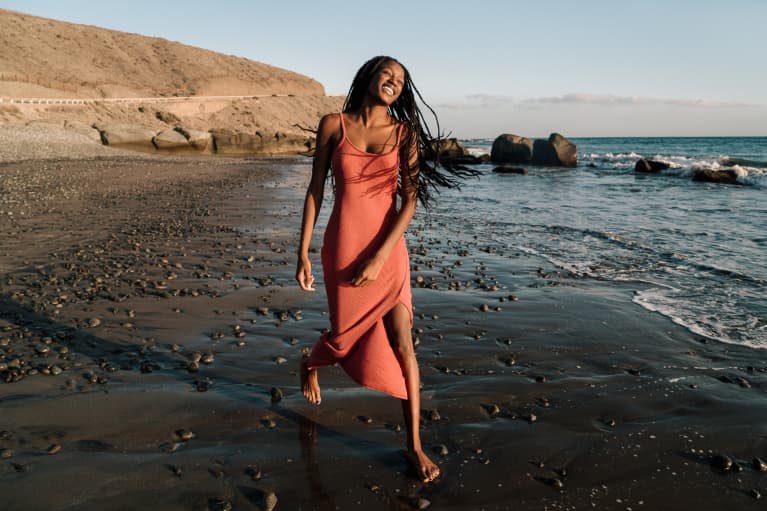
583,68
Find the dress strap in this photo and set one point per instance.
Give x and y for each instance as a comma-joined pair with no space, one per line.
400,128
343,126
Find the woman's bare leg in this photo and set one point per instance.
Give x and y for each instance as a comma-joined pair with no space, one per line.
398,325
310,386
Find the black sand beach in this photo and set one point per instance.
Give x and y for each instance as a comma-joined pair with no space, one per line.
148,310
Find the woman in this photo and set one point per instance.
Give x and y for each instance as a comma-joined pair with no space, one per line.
375,149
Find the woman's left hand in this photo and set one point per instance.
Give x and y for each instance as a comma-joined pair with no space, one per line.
368,272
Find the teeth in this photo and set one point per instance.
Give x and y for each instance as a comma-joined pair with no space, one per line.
388,90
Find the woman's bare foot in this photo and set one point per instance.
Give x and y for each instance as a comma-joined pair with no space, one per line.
426,469
309,383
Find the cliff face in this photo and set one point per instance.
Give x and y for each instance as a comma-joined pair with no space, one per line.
47,58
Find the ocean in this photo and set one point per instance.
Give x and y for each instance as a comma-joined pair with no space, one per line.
696,251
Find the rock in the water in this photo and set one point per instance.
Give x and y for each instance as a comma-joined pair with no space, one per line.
127,135
557,151
508,148
505,169
276,395
759,465
727,176
448,148
650,166
170,139
421,503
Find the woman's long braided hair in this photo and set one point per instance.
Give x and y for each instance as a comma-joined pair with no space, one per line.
405,109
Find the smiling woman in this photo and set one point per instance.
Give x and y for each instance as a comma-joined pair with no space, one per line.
375,148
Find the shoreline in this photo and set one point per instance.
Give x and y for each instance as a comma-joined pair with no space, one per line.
571,385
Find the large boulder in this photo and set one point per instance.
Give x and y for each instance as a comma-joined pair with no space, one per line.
170,140
83,128
650,166
126,135
261,142
557,151
199,140
508,148
727,176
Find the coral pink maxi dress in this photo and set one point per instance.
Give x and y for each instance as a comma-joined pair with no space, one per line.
362,216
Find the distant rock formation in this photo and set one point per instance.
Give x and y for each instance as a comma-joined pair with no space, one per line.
650,166
509,148
49,58
557,151
228,141
200,140
170,140
127,135
727,176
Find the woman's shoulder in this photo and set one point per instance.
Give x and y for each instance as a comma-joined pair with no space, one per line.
330,121
329,128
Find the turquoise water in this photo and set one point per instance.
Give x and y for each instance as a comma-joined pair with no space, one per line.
699,250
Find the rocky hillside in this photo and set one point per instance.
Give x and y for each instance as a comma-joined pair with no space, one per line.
47,58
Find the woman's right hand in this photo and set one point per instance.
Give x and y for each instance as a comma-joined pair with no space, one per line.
304,274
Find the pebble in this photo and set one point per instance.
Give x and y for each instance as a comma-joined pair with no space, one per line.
434,416
276,395
493,410
270,501
254,473
441,449
6,454
759,465
53,449
94,322
184,434
722,462
555,483
207,358
421,503
280,360
755,494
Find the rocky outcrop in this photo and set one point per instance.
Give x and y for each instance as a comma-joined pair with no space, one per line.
650,166
170,140
508,148
83,128
167,117
199,140
506,169
126,135
557,151
727,176
239,142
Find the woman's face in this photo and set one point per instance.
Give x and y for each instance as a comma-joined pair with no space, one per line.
387,83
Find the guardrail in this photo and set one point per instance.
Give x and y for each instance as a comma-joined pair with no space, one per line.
82,101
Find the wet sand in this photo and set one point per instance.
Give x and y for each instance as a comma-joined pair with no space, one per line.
118,273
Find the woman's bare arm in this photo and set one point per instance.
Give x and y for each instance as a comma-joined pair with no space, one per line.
326,139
